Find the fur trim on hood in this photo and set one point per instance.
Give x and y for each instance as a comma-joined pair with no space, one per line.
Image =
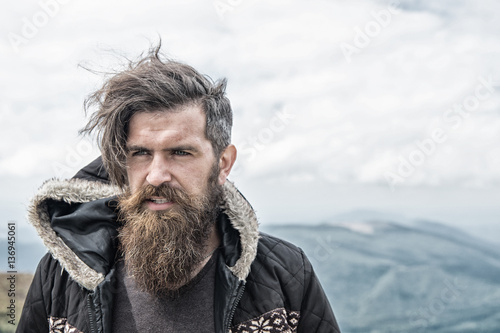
75,190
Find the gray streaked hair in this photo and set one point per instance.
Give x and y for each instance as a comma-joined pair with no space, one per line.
150,84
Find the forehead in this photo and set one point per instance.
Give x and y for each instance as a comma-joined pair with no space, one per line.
182,121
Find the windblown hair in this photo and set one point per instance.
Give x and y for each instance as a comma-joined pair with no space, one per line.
149,84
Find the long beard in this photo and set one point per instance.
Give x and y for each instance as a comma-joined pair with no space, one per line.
163,248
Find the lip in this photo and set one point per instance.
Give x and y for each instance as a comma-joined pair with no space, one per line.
158,206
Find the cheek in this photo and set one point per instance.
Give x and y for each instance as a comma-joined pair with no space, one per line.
194,181
134,177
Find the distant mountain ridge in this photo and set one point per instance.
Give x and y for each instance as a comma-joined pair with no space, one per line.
382,276
385,277
27,255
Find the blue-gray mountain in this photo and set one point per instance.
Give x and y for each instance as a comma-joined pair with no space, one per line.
384,277
387,277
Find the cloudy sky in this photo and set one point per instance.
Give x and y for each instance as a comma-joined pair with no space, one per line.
372,107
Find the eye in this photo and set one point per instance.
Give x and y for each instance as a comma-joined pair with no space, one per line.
180,153
139,152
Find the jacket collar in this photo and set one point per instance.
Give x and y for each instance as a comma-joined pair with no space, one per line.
78,192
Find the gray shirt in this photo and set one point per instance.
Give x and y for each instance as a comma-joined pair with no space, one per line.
191,311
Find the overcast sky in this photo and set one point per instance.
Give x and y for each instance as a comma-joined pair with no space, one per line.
339,106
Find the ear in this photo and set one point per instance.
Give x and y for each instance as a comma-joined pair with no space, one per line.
226,162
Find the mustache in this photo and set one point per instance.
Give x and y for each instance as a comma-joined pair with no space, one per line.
148,191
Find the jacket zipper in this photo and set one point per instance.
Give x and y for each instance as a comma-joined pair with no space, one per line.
91,310
241,289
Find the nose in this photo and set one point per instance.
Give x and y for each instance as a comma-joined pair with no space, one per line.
159,172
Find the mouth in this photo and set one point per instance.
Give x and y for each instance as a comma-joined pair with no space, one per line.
156,203
159,201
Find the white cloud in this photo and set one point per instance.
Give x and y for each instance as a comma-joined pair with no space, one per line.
353,120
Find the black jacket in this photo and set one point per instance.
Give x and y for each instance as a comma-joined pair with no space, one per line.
263,284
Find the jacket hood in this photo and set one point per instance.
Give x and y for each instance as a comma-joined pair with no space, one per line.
76,220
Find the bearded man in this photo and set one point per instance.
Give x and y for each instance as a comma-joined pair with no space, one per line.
152,237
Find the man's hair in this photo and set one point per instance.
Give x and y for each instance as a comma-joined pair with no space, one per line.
150,84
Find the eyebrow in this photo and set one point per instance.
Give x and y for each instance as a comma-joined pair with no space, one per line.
181,147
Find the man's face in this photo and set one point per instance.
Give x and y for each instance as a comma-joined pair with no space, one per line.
170,209
169,148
